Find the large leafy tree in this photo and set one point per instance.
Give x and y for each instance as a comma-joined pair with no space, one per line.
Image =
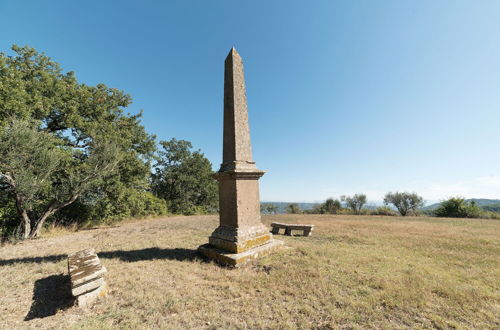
71,134
184,179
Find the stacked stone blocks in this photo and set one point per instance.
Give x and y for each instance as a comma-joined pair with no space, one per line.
87,277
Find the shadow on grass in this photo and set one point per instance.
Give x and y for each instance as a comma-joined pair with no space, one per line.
128,256
50,294
151,254
34,260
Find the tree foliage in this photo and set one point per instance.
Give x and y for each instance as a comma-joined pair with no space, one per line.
72,136
405,202
355,202
184,178
458,207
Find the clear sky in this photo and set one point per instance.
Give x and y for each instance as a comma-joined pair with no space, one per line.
344,96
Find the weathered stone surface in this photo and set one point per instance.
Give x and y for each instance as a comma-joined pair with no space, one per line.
224,257
242,245
87,287
239,211
86,276
87,299
84,266
240,228
237,149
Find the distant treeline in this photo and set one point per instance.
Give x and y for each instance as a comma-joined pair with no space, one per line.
398,203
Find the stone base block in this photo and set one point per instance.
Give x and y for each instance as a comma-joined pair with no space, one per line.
87,287
87,299
237,259
239,247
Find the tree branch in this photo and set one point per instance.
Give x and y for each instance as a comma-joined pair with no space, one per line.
9,179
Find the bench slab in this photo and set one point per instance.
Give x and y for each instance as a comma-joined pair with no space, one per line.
291,225
276,226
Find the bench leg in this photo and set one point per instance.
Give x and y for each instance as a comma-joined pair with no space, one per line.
307,232
275,231
288,231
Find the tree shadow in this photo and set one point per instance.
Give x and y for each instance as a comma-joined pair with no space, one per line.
179,254
151,254
50,294
34,260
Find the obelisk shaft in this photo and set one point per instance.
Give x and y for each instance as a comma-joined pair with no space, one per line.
237,148
241,236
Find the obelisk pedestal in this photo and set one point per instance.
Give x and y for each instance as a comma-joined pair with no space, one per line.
241,236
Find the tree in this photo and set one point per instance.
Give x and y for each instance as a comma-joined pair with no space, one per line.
458,207
405,202
42,177
268,208
83,124
293,208
185,179
330,206
355,203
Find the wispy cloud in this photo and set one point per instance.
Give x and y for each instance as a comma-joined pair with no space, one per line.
432,191
481,187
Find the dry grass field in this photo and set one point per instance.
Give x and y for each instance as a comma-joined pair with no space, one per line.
353,272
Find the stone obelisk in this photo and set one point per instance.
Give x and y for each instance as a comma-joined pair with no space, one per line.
241,236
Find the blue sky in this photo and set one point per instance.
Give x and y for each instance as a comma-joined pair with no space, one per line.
344,96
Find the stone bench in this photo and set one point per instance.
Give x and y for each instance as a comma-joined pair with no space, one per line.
87,277
276,226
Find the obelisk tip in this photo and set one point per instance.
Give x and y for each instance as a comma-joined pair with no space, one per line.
233,53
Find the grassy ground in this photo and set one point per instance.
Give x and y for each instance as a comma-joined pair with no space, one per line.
353,272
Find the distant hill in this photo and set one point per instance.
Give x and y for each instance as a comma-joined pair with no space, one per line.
485,204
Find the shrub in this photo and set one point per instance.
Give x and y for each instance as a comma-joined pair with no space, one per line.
293,208
268,208
458,207
330,206
384,210
128,203
490,215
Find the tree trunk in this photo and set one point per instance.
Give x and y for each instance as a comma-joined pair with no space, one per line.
26,224
51,209
37,228
29,230
23,217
